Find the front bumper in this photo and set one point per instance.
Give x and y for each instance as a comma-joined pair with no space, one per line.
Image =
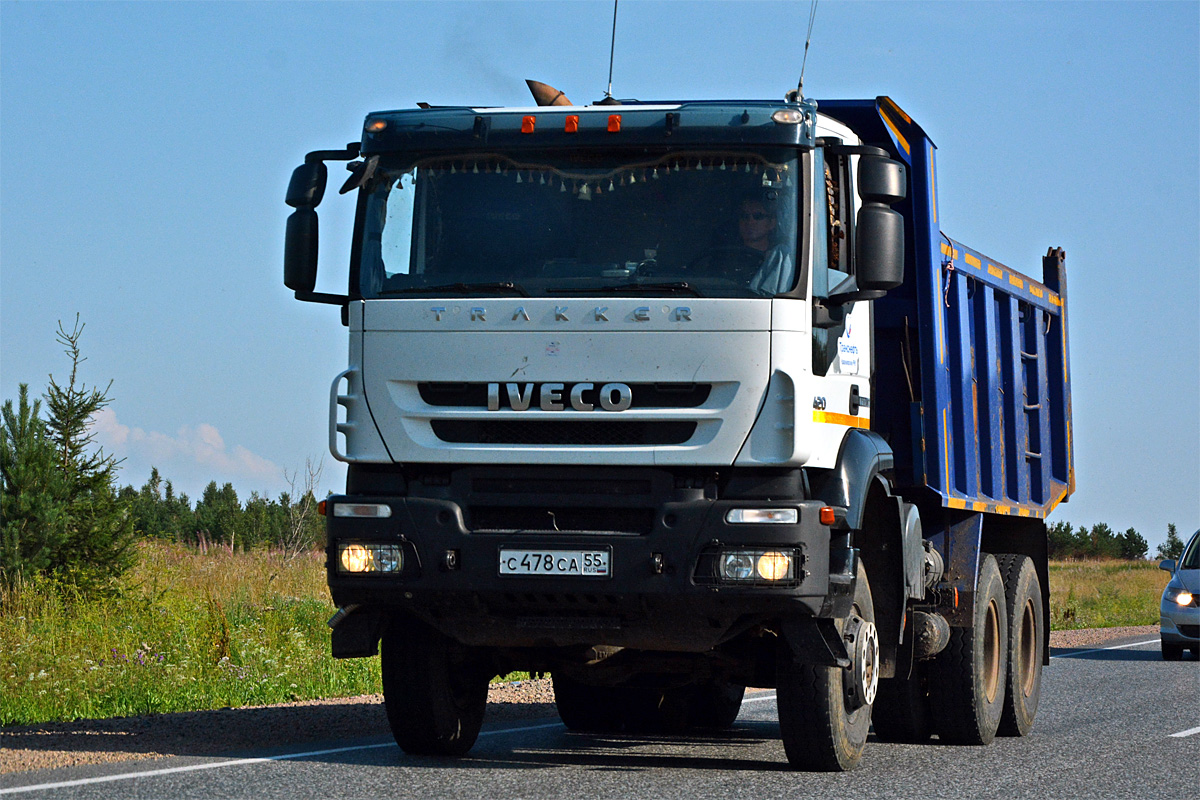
662,593
1179,624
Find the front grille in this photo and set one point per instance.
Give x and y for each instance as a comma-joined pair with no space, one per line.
567,520
644,395
562,433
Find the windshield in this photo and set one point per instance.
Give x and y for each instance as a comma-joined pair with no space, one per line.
711,224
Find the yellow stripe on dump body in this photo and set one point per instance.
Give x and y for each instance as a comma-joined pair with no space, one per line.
995,272
973,261
841,419
895,132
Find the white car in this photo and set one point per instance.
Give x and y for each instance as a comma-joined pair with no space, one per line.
1179,621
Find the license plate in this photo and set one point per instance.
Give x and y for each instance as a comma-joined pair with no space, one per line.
567,563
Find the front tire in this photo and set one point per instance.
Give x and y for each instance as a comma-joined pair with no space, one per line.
434,689
1026,635
968,695
822,727
1172,651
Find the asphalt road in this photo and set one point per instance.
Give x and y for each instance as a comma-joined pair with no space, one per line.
1114,722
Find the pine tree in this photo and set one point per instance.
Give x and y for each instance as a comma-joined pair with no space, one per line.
60,513
32,508
1172,548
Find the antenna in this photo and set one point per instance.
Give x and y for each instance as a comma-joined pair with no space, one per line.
612,49
812,15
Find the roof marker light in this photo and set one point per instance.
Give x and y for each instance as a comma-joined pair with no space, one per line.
527,124
614,123
376,125
788,116
572,124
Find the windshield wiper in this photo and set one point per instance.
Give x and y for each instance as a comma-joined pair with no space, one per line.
505,287
674,286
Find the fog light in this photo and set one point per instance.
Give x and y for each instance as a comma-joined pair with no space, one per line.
781,516
355,557
774,566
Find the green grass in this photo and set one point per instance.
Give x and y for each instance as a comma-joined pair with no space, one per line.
182,632
1104,594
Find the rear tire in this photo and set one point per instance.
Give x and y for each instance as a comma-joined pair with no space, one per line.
1026,635
715,704
968,695
820,731
434,689
588,709
1172,651
901,712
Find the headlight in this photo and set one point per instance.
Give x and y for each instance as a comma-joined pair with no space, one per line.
1180,596
757,566
357,557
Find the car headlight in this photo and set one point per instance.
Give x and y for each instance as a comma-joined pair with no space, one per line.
1179,596
360,557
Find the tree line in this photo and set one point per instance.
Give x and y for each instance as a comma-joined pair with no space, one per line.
1100,541
219,518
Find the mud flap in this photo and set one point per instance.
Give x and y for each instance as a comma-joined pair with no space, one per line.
816,641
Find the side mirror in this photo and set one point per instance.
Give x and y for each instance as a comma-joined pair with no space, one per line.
307,185
304,193
1168,564
879,235
300,251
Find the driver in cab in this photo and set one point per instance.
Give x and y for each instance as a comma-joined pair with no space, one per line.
758,226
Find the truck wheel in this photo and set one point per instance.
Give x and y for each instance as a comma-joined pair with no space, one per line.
435,693
1026,629
1172,652
825,712
901,711
587,709
654,710
715,704
968,696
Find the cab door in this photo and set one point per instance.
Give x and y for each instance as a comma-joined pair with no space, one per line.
841,333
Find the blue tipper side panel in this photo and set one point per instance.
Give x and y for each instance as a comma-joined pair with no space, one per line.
973,385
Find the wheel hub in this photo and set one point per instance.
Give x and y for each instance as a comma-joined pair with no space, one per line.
862,641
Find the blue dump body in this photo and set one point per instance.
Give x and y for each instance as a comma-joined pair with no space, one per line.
972,387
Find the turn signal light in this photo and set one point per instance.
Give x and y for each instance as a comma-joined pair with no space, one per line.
827,516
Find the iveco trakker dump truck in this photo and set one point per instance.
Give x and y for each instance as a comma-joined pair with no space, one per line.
668,399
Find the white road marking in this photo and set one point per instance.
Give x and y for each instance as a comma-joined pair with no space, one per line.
1102,649
237,762
1184,734
758,698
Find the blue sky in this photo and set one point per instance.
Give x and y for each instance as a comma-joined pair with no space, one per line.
145,149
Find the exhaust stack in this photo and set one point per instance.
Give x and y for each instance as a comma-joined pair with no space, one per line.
546,95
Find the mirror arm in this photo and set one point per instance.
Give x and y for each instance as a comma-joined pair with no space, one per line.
349,154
